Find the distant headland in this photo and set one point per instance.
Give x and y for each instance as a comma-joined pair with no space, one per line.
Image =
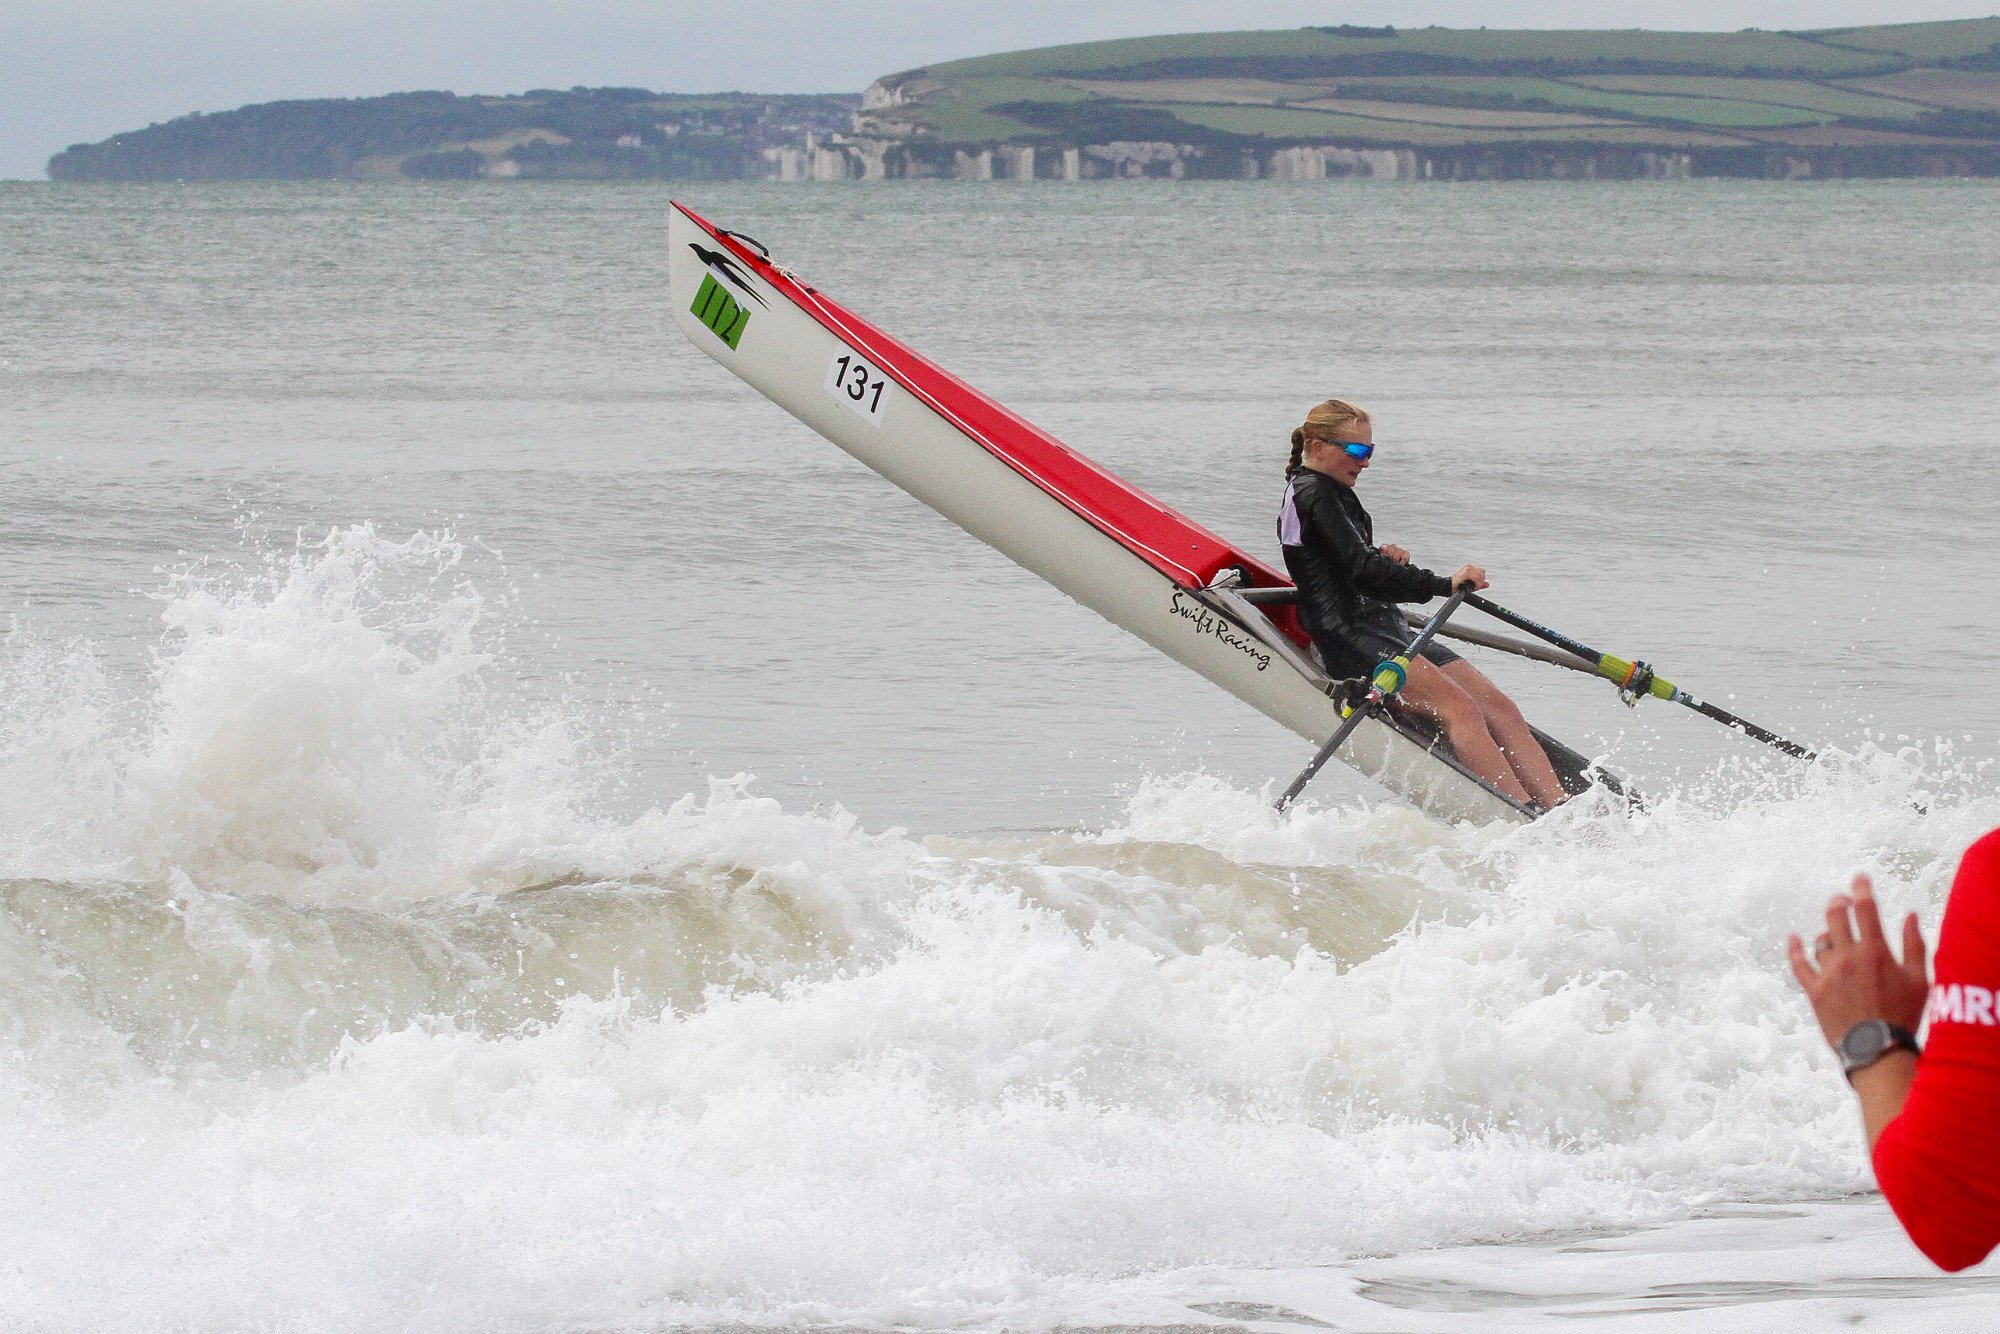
580,134
1918,99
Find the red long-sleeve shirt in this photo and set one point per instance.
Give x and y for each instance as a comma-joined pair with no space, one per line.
1938,1162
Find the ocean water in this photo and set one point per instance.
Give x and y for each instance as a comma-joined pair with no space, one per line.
500,828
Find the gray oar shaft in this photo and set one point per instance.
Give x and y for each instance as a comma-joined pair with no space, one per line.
1519,648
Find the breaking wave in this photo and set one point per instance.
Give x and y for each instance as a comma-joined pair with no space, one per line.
337,994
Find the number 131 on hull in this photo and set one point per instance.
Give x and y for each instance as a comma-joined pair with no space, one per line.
857,384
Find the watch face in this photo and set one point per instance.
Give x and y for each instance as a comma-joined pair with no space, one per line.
1869,1041
1865,1041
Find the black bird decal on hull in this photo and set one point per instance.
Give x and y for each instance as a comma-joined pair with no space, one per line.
727,267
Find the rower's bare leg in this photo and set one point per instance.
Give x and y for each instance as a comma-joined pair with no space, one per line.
1435,695
1517,741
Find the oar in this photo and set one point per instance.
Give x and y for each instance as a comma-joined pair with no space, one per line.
1635,679
1387,680
1520,648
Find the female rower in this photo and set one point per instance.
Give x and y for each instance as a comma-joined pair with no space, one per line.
1348,588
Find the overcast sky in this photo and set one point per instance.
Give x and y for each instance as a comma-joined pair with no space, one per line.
81,70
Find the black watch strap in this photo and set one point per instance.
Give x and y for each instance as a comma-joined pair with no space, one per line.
1869,1041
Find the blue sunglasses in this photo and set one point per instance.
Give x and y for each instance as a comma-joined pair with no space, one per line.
1356,450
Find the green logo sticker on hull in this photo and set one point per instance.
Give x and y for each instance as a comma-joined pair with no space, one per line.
714,307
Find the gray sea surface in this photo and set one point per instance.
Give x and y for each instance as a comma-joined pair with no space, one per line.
1742,430
503,829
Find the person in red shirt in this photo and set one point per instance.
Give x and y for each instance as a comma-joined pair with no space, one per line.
1929,1116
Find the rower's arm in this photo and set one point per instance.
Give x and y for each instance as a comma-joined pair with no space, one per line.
1367,569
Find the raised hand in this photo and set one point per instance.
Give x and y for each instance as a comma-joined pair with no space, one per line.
1853,975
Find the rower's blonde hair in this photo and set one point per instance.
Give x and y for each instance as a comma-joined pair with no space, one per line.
1325,422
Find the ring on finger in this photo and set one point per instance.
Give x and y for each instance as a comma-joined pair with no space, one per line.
1821,946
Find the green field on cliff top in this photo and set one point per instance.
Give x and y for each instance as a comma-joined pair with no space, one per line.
1901,84
1909,99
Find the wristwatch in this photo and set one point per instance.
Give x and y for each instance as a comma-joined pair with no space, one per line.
1869,1041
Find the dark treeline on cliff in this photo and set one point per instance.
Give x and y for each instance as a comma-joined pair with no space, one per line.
607,133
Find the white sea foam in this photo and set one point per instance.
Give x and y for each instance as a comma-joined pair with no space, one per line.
334,1000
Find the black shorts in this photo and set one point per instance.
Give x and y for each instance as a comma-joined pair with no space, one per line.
1359,651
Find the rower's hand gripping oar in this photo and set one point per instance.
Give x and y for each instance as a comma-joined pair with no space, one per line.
1388,678
1635,679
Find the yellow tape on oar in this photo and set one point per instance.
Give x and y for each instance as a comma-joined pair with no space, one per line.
1634,680
1392,675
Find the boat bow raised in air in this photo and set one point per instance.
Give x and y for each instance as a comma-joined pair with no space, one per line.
1204,602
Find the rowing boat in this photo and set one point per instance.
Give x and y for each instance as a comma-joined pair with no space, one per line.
1201,600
